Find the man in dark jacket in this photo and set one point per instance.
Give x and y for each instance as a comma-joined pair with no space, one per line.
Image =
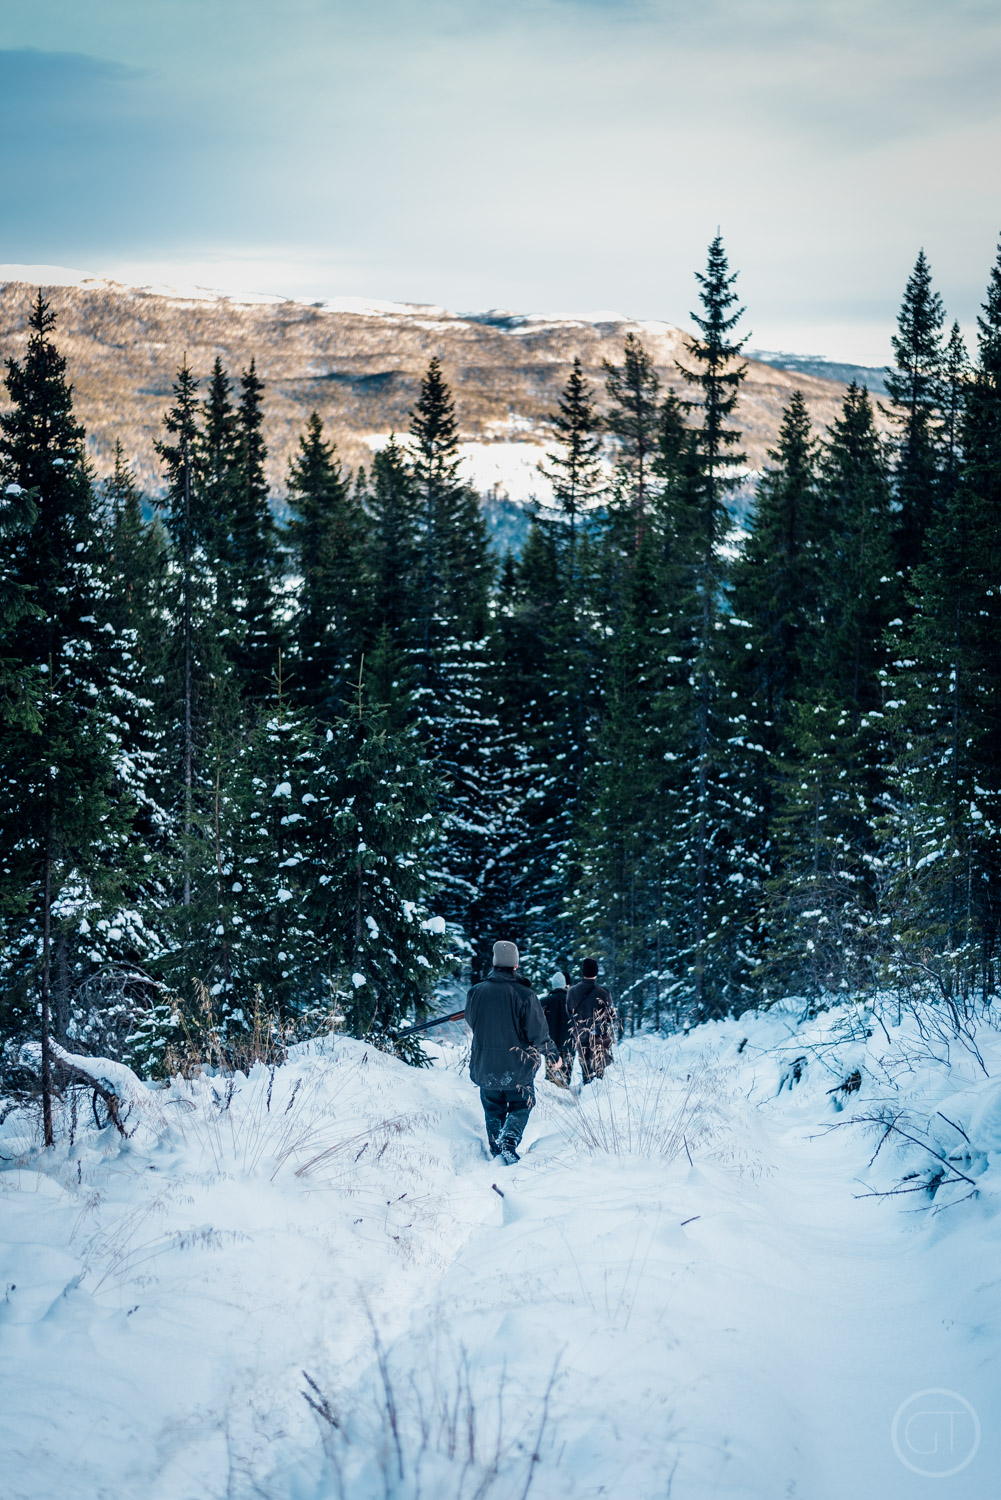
554,1008
509,1036
592,1018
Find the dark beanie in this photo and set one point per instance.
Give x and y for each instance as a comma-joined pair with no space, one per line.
589,968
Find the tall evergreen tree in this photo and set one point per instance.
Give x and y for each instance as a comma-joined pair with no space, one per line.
137,563
914,384
834,781
458,728
949,686
955,372
327,540
574,468
631,793
200,712
253,549
373,840
18,511
775,595
214,449
455,564
393,559
716,378
633,389
66,809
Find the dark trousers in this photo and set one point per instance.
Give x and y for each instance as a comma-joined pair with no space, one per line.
594,1055
506,1112
567,1054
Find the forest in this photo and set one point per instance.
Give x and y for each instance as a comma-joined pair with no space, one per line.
261,780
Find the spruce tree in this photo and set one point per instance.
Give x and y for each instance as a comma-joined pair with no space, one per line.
326,537
214,448
253,550
136,604
373,842
66,806
574,468
621,900
455,565
834,780
914,384
633,390
955,372
537,755
18,511
392,553
137,564
716,378
947,685
775,595
457,726
200,706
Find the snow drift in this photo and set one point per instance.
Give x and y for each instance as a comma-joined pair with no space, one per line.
312,1283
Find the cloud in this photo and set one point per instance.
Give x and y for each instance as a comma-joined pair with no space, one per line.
97,151
539,153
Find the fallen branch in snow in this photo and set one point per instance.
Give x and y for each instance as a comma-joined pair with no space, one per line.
112,1082
891,1127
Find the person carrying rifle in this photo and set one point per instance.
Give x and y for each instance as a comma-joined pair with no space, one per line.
510,1036
592,1019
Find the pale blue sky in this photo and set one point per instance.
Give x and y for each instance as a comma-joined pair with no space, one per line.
539,155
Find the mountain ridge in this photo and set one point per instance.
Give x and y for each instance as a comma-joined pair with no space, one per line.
358,362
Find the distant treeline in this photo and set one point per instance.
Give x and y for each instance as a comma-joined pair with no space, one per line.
243,765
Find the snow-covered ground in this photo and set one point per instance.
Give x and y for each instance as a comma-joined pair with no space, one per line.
507,468
686,1289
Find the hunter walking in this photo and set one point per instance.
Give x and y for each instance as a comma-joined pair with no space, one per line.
592,1021
510,1037
554,1008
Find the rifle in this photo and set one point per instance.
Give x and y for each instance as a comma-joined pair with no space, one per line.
457,1015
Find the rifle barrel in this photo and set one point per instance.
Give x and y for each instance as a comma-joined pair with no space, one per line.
457,1015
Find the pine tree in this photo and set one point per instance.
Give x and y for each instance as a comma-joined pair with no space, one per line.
254,565
327,541
262,945
915,387
455,564
623,822
457,728
947,683
542,682
66,810
775,596
834,781
18,512
137,563
536,754
393,559
574,469
200,706
373,840
136,605
955,372
214,449
633,389
717,377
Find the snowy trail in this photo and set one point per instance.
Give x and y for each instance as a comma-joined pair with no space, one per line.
760,1349
738,1325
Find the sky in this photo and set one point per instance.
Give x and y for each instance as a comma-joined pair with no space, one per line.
553,156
